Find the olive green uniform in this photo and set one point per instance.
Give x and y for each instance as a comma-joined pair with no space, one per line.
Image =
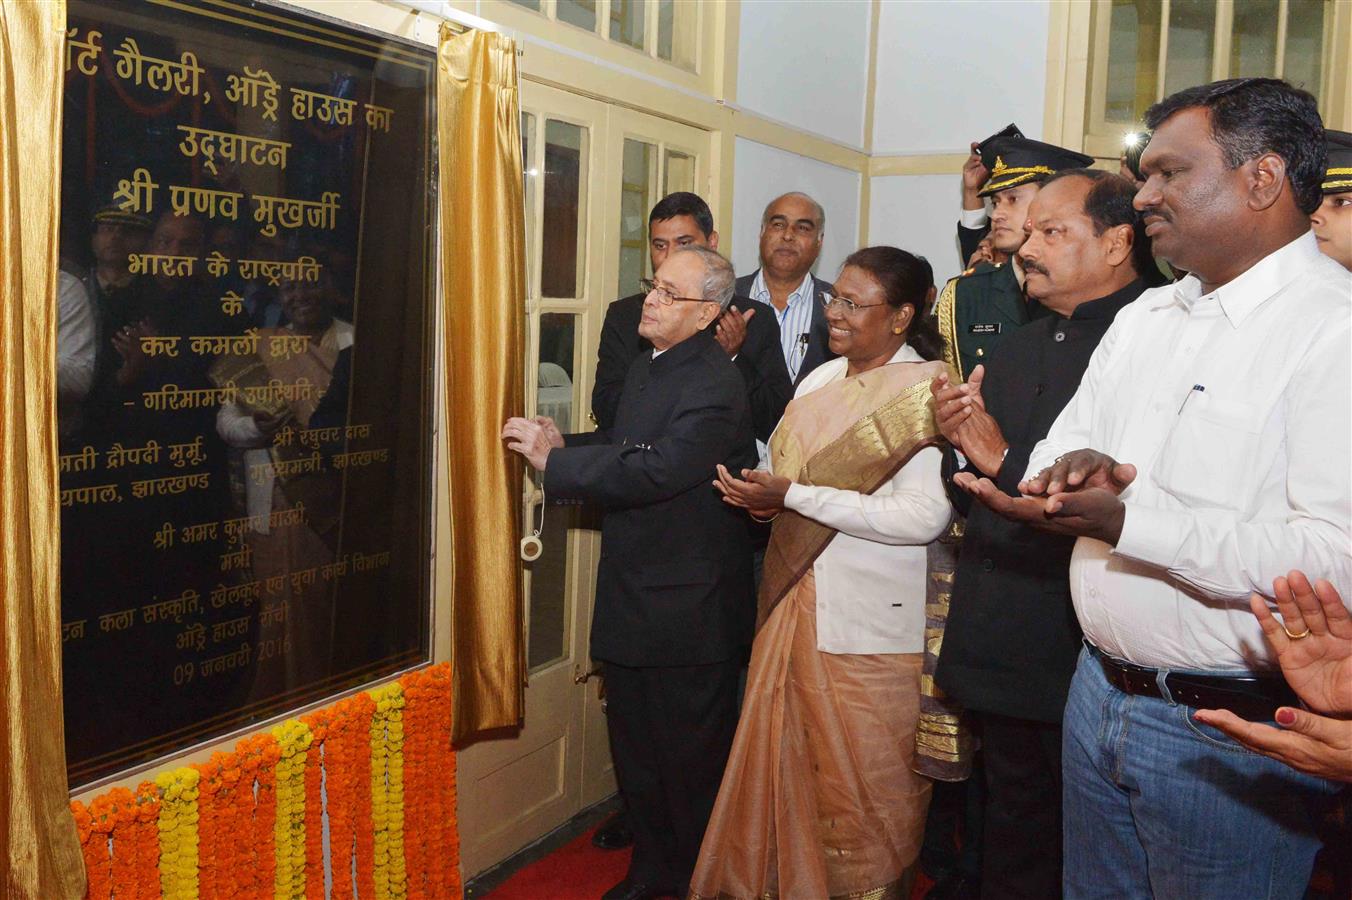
976,310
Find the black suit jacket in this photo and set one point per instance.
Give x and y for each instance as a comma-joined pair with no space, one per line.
818,349
674,583
1012,638
760,361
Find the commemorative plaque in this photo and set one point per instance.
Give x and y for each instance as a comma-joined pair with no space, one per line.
244,408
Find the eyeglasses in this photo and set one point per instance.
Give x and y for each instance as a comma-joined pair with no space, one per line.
844,304
664,296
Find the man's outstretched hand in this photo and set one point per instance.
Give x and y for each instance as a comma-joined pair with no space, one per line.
1089,512
1077,471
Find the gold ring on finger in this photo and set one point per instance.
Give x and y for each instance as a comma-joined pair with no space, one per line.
1296,637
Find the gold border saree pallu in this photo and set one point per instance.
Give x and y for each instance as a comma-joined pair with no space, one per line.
862,459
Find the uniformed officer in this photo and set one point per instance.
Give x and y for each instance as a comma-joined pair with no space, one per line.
987,301
974,225
1332,221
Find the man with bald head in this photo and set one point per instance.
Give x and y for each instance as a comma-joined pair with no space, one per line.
674,604
792,228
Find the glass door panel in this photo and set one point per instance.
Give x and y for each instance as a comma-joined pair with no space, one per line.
1302,60
677,21
626,21
680,172
657,157
638,184
555,397
1192,43
1253,41
530,177
563,237
581,13
1133,59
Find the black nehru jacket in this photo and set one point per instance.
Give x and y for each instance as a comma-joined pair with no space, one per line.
674,583
760,361
1012,638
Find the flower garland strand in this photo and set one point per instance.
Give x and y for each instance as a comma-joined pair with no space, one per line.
313,817
386,742
178,833
249,824
294,740
433,859
143,842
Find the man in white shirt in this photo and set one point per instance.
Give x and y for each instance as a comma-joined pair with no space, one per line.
1204,455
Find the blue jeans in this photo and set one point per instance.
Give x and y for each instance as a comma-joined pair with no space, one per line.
1159,806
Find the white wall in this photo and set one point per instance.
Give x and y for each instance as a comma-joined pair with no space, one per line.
918,213
805,62
954,71
949,72
762,173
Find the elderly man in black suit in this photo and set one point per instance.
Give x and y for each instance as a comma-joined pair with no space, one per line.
792,229
747,332
674,606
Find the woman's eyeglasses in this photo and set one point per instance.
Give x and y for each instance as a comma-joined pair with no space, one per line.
831,301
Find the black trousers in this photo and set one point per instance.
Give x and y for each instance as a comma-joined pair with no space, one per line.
671,728
1022,835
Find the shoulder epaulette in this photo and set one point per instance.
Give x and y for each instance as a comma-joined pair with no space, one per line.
945,310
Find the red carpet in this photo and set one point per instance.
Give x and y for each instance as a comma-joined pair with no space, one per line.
578,871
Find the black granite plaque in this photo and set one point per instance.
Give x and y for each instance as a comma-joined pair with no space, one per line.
244,413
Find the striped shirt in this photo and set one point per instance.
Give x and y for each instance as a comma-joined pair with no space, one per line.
795,319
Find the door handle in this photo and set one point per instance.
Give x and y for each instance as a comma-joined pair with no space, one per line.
580,677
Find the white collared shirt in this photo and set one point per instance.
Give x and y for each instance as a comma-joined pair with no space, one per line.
871,577
795,319
1236,409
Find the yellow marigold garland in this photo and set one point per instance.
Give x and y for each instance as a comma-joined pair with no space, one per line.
294,741
178,833
387,792
236,826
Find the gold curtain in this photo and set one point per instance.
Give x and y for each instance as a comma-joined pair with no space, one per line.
39,849
483,273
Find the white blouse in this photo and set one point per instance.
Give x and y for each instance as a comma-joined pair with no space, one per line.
871,577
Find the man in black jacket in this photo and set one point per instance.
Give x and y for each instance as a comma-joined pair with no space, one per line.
792,229
1012,638
747,331
674,606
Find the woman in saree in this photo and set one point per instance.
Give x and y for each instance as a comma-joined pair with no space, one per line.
818,799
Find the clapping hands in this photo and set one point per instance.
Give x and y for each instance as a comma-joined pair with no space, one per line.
1313,644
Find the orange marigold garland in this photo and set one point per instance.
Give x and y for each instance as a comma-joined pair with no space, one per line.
259,755
143,840
429,786
94,848
250,823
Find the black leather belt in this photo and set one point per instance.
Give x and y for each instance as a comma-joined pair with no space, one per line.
1247,696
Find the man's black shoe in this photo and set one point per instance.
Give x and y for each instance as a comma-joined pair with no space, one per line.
614,833
955,886
632,890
